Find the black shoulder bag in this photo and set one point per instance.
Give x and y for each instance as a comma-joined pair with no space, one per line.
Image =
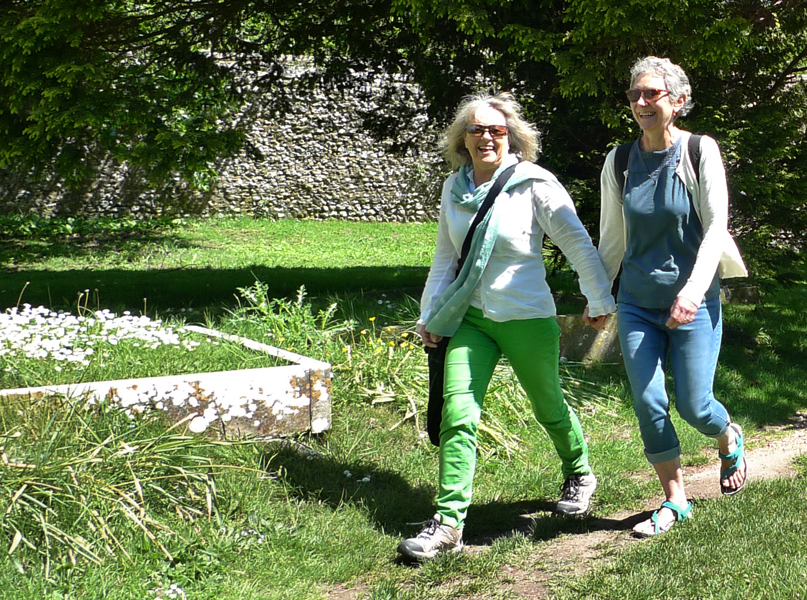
437,356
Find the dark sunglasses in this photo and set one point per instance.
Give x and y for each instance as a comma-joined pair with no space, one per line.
650,95
496,131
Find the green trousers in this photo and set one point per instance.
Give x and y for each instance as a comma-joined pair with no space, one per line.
532,347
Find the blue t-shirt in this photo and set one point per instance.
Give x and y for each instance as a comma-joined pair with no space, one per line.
664,232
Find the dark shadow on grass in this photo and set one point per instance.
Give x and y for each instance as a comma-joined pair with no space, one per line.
390,501
396,507
34,239
202,289
535,519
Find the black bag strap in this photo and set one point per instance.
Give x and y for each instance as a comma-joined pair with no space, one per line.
494,191
695,155
623,154
621,163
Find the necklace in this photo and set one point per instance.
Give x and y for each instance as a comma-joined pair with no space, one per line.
670,156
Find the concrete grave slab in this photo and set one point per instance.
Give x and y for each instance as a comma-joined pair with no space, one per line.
269,401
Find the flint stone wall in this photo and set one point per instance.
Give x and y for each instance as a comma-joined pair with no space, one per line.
314,161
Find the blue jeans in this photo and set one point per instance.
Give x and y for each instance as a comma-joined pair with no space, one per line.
692,350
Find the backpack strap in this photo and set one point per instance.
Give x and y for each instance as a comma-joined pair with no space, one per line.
621,163
695,155
623,153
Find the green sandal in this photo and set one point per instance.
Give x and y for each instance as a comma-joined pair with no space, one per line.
681,514
737,459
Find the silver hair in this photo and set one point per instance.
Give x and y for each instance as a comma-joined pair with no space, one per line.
674,77
524,138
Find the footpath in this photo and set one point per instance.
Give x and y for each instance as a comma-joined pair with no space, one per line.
770,455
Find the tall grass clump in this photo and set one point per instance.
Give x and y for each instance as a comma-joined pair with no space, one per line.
90,484
370,360
290,323
377,357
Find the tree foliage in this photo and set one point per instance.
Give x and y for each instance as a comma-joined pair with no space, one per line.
151,83
99,78
569,61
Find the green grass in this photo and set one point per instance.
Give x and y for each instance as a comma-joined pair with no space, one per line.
292,519
750,547
201,264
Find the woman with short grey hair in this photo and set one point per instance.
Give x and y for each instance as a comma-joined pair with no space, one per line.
664,221
674,77
499,304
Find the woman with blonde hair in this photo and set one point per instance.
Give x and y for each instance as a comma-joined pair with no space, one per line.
499,304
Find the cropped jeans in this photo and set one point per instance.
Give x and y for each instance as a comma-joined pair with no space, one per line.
692,349
532,347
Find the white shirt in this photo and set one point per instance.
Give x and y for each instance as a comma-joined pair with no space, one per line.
513,285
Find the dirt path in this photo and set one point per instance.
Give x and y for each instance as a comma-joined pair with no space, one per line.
770,455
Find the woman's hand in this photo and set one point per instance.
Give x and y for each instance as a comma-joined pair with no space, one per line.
683,311
597,323
429,339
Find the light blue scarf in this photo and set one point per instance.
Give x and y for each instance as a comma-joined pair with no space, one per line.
450,307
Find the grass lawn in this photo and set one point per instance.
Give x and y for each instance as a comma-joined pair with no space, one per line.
98,505
200,264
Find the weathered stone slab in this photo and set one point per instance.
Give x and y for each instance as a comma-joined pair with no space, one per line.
581,343
740,294
270,401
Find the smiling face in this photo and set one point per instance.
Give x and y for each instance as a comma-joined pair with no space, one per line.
655,117
487,152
